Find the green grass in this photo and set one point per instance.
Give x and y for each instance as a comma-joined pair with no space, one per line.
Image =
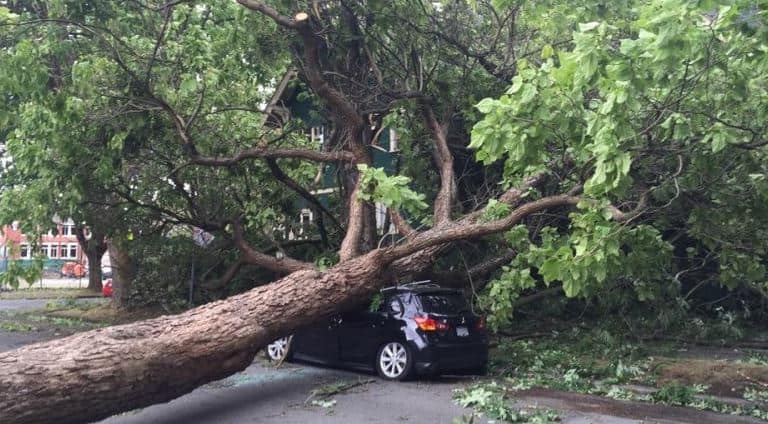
15,327
36,293
40,320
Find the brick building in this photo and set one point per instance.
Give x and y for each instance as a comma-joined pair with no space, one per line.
58,246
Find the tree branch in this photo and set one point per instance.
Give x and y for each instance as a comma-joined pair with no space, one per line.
267,153
228,276
270,12
401,224
168,14
284,265
301,191
478,272
751,146
451,232
447,193
350,246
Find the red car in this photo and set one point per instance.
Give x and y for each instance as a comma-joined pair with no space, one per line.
106,289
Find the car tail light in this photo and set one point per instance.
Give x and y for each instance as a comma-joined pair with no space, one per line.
480,324
431,324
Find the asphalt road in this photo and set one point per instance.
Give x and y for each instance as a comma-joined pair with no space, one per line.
262,394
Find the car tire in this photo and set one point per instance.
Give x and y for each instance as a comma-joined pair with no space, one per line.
279,350
394,361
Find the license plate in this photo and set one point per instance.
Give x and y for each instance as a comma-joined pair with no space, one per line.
462,331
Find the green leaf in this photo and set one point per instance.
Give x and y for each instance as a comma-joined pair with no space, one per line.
486,105
547,52
550,270
188,85
589,26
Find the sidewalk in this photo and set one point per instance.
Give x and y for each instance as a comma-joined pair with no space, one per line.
57,283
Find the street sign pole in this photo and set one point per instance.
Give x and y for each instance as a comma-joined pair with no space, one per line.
191,283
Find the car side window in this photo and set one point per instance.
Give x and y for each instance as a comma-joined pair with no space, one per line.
395,306
382,305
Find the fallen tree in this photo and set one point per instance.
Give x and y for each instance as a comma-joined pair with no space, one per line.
95,374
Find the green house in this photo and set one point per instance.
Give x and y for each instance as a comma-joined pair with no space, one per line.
292,100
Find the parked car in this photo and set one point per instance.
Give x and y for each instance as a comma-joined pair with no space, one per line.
419,329
106,287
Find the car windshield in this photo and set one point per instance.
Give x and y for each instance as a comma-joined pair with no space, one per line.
448,303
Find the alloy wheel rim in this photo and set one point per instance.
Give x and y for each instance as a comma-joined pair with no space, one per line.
277,348
393,359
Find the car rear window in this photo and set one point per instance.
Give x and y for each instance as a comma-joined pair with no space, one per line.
443,303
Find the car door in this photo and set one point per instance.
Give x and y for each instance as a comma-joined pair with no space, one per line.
358,335
317,342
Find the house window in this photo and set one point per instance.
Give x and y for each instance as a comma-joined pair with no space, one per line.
68,230
44,250
25,252
317,135
72,251
305,219
68,251
53,251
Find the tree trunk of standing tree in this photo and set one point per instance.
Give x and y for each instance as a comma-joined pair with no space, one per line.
123,273
94,248
94,269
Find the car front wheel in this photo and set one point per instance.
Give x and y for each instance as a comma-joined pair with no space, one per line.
394,361
278,350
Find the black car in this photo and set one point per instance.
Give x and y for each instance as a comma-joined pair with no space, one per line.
415,329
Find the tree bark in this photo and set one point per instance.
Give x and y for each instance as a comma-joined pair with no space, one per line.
94,268
94,248
123,273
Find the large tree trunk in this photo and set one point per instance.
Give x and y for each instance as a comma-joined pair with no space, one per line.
95,251
94,248
123,273
94,269
95,374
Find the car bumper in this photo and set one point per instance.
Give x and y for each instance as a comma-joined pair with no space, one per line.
444,359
